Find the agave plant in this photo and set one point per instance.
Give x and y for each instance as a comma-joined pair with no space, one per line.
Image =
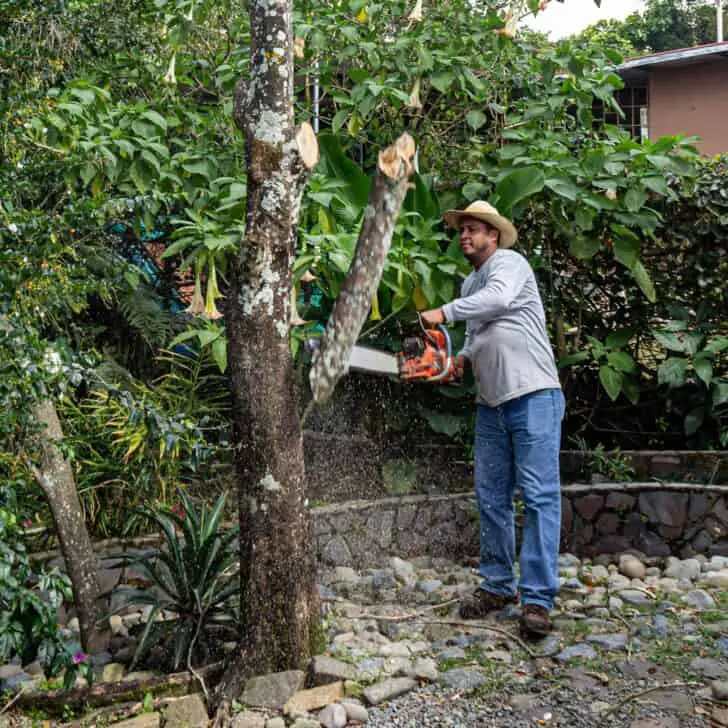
193,581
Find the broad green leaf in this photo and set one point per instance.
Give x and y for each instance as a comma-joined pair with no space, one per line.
564,188
634,199
693,342
618,339
340,166
642,277
704,369
672,372
339,120
474,191
151,159
181,338
576,358
669,340
694,420
145,129
156,119
142,174
71,108
422,199
517,186
584,218
621,361
611,380
202,167
630,390
442,80
584,248
207,336
717,345
659,161
126,148
443,422
720,392
476,119
657,184
84,95
219,353
626,251
88,172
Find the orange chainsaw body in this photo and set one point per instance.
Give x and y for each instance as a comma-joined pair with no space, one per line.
427,358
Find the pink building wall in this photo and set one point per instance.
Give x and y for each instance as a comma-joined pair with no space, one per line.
691,100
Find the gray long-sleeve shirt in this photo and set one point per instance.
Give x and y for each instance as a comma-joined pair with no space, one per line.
505,340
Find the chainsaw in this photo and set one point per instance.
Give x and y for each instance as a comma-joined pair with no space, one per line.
426,357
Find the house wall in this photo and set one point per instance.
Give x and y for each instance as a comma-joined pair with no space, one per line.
691,100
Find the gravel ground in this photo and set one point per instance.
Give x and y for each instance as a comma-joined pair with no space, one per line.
639,643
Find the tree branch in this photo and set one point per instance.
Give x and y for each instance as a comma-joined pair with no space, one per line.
389,188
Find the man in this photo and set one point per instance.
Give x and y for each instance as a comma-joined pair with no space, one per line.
518,425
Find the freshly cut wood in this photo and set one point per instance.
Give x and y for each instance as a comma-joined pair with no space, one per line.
331,360
308,147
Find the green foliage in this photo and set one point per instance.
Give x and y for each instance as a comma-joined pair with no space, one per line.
399,476
29,600
125,120
135,443
194,582
695,355
617,368
612,466
663,25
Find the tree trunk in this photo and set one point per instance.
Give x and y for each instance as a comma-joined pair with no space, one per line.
279,602
56,479
389,188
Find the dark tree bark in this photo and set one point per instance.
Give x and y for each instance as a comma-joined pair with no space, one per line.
279,602
352,305
55,477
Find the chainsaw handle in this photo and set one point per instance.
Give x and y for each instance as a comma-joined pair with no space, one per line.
448,362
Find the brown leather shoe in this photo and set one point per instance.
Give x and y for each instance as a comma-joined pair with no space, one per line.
535,621
482,602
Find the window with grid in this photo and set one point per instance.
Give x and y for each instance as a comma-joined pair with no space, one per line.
634,102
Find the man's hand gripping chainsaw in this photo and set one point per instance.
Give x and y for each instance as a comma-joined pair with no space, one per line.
428,357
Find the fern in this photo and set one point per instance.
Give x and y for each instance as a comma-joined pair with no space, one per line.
143,311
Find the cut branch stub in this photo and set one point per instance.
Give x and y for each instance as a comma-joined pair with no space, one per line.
308,146
388,191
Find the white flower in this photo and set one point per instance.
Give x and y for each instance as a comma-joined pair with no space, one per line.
52,361
13,228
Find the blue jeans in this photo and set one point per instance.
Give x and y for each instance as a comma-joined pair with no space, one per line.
517,445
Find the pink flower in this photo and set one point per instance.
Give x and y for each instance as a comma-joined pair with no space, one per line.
78,658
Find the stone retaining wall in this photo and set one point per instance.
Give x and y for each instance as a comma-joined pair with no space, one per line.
654,518
366,534
657,519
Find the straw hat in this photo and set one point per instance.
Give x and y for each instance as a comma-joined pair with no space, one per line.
484,211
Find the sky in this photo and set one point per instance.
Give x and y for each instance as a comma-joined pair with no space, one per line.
572,16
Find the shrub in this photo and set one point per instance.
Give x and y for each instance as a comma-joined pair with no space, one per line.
194,582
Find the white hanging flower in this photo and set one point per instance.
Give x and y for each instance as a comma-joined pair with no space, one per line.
414,99
416,13
169,77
